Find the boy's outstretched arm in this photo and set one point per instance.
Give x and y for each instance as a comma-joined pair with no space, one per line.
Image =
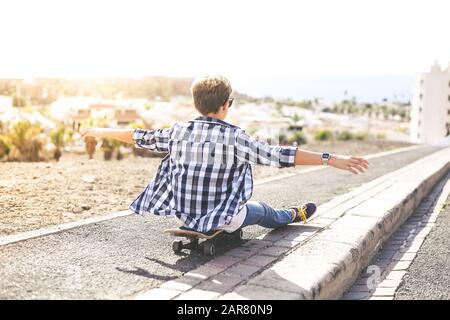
124,135
353,164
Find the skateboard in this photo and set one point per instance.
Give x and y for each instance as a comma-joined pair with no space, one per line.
207,246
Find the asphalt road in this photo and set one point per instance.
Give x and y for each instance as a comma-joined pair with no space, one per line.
120,258
428,276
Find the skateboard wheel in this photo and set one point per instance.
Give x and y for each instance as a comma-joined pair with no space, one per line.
239,234
177,245
209,249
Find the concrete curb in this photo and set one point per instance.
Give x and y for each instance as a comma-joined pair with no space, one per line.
322,259
22,236
392,262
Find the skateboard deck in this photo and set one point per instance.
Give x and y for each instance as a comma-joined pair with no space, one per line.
207,246
193,234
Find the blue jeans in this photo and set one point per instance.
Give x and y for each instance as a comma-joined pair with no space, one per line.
261,214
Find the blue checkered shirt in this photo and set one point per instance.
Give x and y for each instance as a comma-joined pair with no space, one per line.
206,177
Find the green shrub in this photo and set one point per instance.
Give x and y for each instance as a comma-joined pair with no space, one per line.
361,136
345,136
381,136
299,137
323,135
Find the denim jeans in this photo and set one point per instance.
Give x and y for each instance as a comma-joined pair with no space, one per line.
261,214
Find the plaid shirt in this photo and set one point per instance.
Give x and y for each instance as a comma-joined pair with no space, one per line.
206,177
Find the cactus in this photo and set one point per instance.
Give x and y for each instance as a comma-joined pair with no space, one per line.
107,148
4,148
57,138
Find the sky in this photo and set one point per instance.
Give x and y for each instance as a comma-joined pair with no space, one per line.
243,40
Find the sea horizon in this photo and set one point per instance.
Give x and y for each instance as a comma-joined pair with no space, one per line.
364,88
327,87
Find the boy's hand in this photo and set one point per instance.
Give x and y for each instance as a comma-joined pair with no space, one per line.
90,132
355,165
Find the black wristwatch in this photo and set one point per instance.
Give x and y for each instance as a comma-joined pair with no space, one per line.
325,158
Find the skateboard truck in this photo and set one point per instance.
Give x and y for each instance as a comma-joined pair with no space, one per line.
207,247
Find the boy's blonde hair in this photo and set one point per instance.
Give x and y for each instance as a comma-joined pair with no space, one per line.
210,93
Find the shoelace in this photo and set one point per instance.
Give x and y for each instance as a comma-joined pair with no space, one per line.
302,213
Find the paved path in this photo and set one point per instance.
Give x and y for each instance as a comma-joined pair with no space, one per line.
125,256
428,277
415,262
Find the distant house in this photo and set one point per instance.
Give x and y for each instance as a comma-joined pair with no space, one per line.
78,116
126,116
430,106
76,111
10,115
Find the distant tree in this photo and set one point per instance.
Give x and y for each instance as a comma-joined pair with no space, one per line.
384,111
368,108
403,114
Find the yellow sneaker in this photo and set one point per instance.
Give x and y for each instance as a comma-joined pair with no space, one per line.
304,212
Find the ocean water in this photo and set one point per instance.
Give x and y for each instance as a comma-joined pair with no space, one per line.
365,88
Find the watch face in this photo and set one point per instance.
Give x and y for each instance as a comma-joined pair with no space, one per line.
325,156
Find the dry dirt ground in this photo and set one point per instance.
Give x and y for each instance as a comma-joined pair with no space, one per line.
40,194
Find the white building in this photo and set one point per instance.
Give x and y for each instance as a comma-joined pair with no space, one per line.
430,106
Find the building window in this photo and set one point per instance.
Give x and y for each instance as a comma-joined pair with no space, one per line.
449,98
420,109
448,111
420,96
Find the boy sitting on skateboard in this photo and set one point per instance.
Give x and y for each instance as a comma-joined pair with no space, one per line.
206,178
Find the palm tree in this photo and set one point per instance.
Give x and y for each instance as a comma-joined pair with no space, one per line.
296,117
